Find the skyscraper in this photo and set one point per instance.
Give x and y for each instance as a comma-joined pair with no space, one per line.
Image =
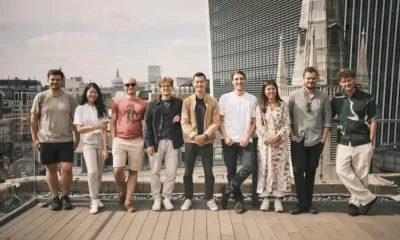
154,74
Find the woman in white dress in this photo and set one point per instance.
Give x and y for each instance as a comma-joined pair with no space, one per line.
272,128
91,120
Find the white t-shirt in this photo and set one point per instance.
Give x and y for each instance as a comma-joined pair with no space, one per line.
238,112
87,116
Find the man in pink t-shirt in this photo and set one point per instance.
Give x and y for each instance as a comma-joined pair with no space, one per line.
127,139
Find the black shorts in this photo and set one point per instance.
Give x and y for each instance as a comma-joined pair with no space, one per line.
51,153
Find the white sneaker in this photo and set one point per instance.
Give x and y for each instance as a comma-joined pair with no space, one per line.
264,205
156,205
186,205
212,205
99,203
278,206
167,204
94,207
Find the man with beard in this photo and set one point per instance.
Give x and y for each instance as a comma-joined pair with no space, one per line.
237,122
127,139
356,112
51,129
310,114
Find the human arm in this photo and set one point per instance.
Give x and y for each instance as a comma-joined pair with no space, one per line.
292,136
149,133
34,130
105,145
327,117
114,117
372,116
228,141
177,116
187,129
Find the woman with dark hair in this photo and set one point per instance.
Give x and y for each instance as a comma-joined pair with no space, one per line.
272,128
91,120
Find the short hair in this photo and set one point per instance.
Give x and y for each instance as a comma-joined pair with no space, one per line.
55,72
346,73
310,70
165,80
238,72
199,74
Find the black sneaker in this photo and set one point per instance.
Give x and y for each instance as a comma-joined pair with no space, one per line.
353,210
55,204
66,203
363,210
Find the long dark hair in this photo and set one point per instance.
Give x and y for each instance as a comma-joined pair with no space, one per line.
264,99
102,111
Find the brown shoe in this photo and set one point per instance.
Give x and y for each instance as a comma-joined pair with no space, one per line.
129,208
239,208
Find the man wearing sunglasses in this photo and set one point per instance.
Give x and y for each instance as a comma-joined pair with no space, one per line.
127,138
163,140
311,116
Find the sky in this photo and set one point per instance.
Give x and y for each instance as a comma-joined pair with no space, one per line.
92,38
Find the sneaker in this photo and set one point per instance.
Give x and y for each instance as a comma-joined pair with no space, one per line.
156,205
264,205
66,203
55,204
353,210
363,210
212,205
94,207
167,204
278,206
99,203
186,205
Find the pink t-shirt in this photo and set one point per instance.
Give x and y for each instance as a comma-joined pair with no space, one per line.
130,114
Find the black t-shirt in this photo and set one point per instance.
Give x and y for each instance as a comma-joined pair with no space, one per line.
200,113
165,132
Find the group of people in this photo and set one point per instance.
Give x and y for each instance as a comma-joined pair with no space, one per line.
290,135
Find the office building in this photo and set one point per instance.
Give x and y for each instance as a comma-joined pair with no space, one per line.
154,74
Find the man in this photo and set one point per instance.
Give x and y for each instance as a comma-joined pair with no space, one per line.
237,122
310,113
199,124
356,112
163,139
128,145
51,128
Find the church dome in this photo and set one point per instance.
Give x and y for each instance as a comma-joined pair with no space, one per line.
117,81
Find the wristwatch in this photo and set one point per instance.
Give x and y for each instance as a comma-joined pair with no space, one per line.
105,147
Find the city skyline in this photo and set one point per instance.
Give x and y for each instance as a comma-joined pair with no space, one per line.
95,39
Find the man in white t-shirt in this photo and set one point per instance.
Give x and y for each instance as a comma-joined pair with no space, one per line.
237,119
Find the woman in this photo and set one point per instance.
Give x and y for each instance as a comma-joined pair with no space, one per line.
91,120
273,128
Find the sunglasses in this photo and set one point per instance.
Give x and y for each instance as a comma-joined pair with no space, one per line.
130,84
308,106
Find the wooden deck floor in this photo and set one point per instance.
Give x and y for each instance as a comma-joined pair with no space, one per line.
199,223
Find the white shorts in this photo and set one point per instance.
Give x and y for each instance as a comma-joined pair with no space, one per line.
131,151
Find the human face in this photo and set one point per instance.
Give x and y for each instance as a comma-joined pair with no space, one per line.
310,80
347,83
55,82
270,92
92,94
129,88
199,84
166,89
238,81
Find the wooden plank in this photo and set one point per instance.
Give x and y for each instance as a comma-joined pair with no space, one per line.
263,225
384,227
296,236
84,226
280,231
19,218
46,225
350,223
272,217
213,232
371,230
200,222
100,222
32,225
346,232
332,231
68,228
123,225
148,226
287,222
137,223
50,232
301,224
187,225
111,224
161,228
238,225
251,225
225,225
21,224
174,226
317,228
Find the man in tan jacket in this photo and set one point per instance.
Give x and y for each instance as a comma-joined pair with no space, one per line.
200,121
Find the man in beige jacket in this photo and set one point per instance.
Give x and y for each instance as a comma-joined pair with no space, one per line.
200,121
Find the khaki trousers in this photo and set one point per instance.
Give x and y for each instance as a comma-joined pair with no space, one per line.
352,166
170,155
92,152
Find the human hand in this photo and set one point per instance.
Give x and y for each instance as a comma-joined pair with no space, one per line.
37,144
273,139
105,154
228,141
199,139
176,119
103,126
150,151
244,142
